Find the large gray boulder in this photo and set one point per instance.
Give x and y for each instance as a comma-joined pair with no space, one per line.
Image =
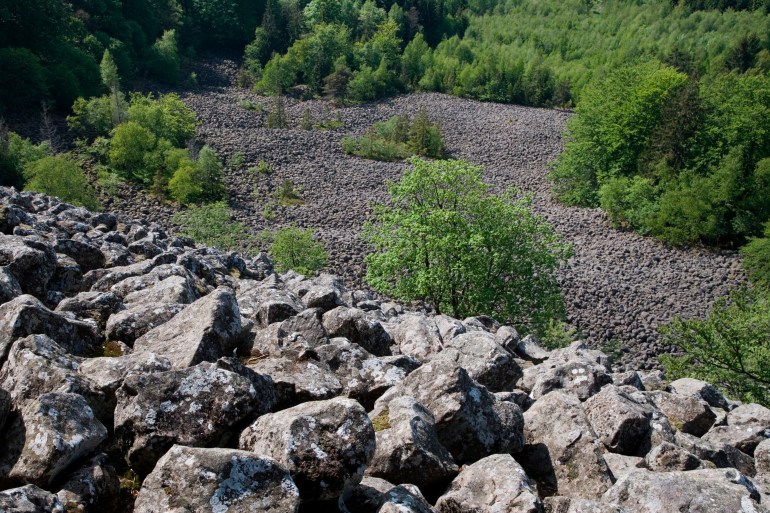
417,336
561,504
747,426
405,498
197,480
204,331
683,411
87,255
326,445
197,406
408,450
128,325
668,457
494,483
30,499
93,488
699,390
30,262
48,435
563,454
358,327
574,369
9,285
471,423
696,491
297,381
484,358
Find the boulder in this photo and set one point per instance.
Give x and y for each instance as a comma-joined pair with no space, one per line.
696,491
195,406
275,305
5,407
471,423
93,488
684,412
30,499
31,263
408,450
747,426
130,324
48,435
529,349
216,480
297,381
628,378
204,331
668,457
172,290
563,454
575,369
405,498
449,327
620,464
355,325
107,373
67,277
761,456
323,297
326,445
366,496
561,504
699,390
9,285
289,337
417,336
485,360
88,256
494,483
25,315
91,305
719,454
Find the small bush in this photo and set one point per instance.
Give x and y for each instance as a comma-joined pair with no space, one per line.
277,118
236,160
557,334
130,146
60,176
398,138
15,153
163,59
297,249
198,182
167,117
756,259
288,194
251,105
211,225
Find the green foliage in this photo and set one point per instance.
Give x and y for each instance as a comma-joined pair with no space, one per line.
729,349
557,334
251,105
277,118
444,239
96,117
297,249
16,153
130,148
22,81
756,260
629,202
59,175
167,117
212,225
200,181
163,59
398,138
289,194
236,160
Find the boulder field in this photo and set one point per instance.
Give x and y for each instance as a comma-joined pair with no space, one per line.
141,373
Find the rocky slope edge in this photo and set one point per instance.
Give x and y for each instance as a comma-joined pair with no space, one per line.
228,388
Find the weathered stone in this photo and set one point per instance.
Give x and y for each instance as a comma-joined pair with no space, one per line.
482,323
9,285
449,327
107,373
48,435
366,496
485,360
620,464
699,390
25,315
719,454
696,491
355,325
31,263
408,450
747,426
470,422
685,413
667,457
405,498
654,380
30,499
288,338
509,338
171,290
297,381
574,369
194,406
761,456
563,453
5,406
93,488
323,297
217,480
417,336
91,305
628,378
326,445
495,483
529,349
276,306
561,504
116,255
203,331
87,256
132,323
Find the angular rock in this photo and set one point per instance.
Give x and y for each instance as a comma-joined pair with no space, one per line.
695,491
323,297
496,481
194,406
563,453
668,457
48,435
203,331
408,450
720,455
417,336
217,480
92,305
171,290
405,498
93,488
620,465
529,349
470,422
366,496
25,315
107,373
9,285
761,456
297,381
684,412
355,325
699,390
288,338
628,378
574,369
326,445
449,327
87,256
276,306
30,499
67,276
747,426
561,504
132,323
485,360
31,263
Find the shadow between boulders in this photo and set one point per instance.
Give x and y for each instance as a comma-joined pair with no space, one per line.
12,440
537,463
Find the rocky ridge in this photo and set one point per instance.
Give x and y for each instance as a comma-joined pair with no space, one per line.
618,287
141,373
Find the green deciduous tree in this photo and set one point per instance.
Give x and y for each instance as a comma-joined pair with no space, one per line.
297,249
211,225
446,240
61,176
167,117
199,182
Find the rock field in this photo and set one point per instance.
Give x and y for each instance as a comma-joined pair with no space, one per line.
141,373
619,286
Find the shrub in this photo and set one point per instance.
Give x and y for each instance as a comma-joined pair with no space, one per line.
198,182
398,138
447,241
629,202
60,176
277,118
729,349
211,225
129,148
15,153
163,59
167,117
289,194
22,81
756,259
95,117
297,249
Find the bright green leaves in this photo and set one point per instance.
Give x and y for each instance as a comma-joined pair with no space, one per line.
446,240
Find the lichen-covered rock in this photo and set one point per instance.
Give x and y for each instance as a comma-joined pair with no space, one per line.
620,464
297,381
720,454
404,498
289,337
30,499
9,285
323,297
48,435
25,315
563,454
197,406
494,483
761,456
93,488
67,276
366,496
667,457
204,331
575,369
30,262
91,305
408,450
355,325
88,256
107,373
747,426
561,504
471,423
326,445
130,324
417,336
198,480
685,412
484,358
699,390
275,305
696,491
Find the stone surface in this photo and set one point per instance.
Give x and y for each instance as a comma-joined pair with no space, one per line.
668,457
747,426
355,325
93,488
297,381
325,445
217,480
485,360
575,369
495,483
685,412
30,499
417,336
